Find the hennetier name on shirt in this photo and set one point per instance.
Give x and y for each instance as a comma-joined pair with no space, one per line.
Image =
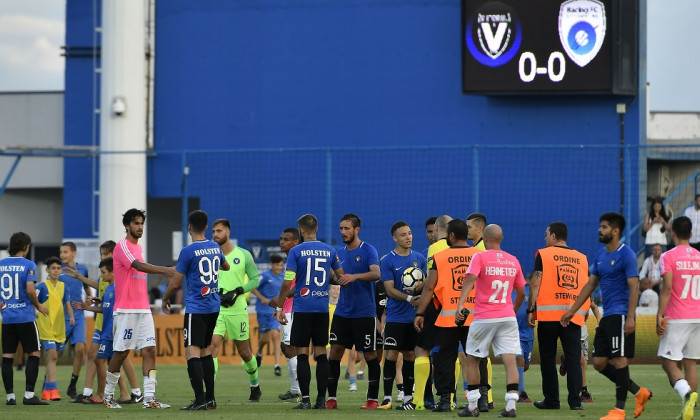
315,253
501,271
12,268
206,251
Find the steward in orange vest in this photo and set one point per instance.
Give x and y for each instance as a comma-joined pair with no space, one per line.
558,278
445,280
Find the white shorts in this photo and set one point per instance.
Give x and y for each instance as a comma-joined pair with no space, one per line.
681,340
287,329
504,336
133,331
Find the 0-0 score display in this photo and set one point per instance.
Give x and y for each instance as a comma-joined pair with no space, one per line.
544,46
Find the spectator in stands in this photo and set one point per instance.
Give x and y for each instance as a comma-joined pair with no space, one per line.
693,213
649,298
651,271
655,226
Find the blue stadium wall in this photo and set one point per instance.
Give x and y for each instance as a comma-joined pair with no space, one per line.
382,82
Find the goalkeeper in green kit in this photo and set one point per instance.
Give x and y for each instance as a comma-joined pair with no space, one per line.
233,315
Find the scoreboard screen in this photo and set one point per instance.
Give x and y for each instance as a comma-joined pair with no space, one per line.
538,46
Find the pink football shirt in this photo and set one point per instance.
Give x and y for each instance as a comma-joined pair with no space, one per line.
289,302
497,273
684,262
130,285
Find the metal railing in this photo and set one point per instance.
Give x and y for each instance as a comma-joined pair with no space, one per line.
695,177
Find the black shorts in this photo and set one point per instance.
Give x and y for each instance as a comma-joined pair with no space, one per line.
379,338
25,333
426,338
199,329
610,339
358,332
400,336
309,327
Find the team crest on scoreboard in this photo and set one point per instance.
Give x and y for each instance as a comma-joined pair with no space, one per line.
567,276
459,273
493,34
582,29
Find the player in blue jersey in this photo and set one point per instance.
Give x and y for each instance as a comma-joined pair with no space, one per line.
106,308
200,263
268,326
17,301
311,263
527,338
74,333
615,268
399,334
355,316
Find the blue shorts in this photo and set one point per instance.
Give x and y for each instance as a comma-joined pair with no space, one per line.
96,336
267,322
526,346
76,333
50,344
106,351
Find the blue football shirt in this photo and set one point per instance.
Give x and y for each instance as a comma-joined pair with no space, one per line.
15,306
107,313
527,333
393,266
74,288
269,286
200,262
312,262
357,299
613,269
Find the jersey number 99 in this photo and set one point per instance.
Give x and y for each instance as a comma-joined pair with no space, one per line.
209,269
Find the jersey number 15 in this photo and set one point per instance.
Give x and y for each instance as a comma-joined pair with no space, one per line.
318,271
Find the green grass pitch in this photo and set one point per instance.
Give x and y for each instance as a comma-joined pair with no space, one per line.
232,393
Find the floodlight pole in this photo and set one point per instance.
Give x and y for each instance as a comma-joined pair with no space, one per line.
123,114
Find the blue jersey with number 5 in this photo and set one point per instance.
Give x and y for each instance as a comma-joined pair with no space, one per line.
15,306
312,262
200,263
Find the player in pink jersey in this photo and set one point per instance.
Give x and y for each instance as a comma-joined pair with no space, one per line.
494,273
289,238
678,318
133,322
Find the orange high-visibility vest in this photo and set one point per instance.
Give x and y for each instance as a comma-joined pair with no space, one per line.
452,265
564,273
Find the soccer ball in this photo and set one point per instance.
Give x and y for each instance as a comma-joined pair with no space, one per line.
412,277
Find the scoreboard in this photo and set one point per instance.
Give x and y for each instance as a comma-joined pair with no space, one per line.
550,46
